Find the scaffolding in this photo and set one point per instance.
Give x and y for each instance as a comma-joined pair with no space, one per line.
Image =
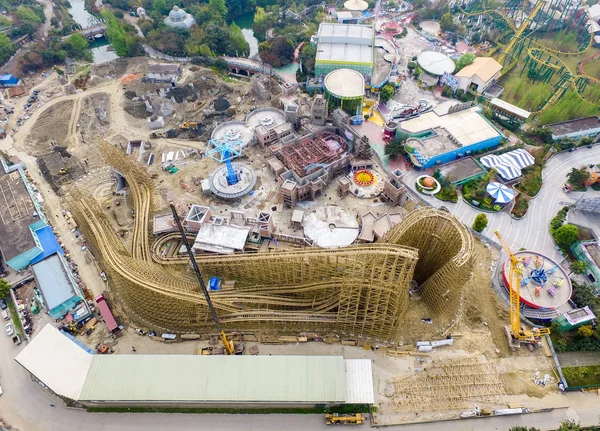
309,154
361,290
449,384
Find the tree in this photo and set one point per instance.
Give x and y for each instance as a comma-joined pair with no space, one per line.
160,6
566,235
238,41
585,331
124,43
569,425
464,60
480,222
7,49
218,9
578,177
394,148
578,267
4,288
387,92
447,22
77,46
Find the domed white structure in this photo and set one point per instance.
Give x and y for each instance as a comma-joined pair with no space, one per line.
178,18
356,5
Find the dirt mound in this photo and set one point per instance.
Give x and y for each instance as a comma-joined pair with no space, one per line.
186,93
221,104
136,109
51,125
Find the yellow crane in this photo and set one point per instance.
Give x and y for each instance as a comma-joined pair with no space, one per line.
514,288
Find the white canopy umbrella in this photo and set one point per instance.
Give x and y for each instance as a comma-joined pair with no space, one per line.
500,192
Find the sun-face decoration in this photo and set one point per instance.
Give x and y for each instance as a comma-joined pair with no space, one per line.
364,177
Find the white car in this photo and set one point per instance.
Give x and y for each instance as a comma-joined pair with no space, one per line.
1,391
9,329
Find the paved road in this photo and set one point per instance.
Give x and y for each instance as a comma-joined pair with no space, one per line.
25,405
532,231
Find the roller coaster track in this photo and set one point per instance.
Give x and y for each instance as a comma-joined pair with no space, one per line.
362,288
567,80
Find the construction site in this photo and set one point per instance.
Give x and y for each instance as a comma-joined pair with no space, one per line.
299,261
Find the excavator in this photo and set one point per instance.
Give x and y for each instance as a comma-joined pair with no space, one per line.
227,344
518,334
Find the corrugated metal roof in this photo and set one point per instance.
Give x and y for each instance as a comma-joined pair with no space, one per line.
53,281
56,361
314,379
483,67
359,382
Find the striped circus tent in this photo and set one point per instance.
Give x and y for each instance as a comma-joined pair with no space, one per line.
509,165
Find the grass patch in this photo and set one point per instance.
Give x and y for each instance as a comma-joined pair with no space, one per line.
350,408
447,194
582,376
521,206
14,315
531,183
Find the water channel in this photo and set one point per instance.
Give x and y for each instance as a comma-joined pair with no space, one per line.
101,50
245,22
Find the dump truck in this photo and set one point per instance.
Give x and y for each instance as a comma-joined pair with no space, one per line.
344,419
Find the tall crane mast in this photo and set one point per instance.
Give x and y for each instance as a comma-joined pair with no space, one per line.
228,345
514,288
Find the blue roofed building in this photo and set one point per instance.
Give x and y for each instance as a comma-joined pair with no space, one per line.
433,139
20,217
60,290
7,80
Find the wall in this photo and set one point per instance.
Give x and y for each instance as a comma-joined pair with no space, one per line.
326,66
453,155
578,134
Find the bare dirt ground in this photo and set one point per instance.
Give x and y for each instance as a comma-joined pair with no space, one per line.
52,125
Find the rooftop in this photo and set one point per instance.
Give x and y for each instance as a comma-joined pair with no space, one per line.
346,33
16,214
515,110
345,83
573,126
359,5
216,378
345,53
436,62
56,361
69,371
164,68
331,226
221,238
460,169
458,129
53,280
483,67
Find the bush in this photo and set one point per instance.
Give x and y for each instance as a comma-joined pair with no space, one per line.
446,91
565,235
577,178
480,222
559,219
411,65
520,207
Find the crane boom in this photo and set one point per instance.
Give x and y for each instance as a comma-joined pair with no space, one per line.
226,343
514,288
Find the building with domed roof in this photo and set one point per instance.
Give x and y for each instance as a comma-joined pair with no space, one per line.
179,18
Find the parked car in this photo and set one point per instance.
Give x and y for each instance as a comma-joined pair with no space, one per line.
6,314
1,391
10,329
16,340
3,304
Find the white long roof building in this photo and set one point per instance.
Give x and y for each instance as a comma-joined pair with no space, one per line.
136,379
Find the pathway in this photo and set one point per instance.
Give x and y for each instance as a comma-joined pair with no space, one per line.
532,232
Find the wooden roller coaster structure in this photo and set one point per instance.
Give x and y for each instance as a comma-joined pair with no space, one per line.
361,289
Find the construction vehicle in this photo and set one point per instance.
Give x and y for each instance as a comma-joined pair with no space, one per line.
517,334
189,125
228,345
344,419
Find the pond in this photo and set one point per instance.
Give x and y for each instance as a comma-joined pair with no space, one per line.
245,22
101,50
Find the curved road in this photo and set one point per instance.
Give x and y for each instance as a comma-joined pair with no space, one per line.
532,232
